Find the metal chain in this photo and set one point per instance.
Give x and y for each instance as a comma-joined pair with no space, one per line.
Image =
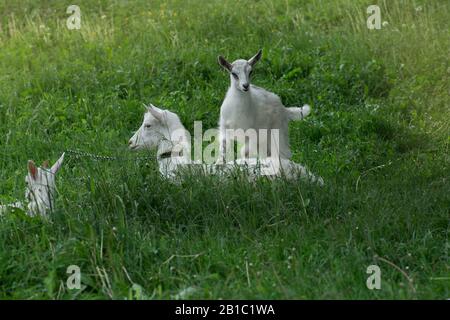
83,154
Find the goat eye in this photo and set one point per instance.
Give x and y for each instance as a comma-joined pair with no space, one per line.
251,72
234,75
148,126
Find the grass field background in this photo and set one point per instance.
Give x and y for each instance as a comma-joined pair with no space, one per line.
378,134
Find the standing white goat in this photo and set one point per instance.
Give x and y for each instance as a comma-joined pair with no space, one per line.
163,130
250,107
40,190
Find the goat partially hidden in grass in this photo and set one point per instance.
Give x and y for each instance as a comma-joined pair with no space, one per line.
247,106
162,130
40,190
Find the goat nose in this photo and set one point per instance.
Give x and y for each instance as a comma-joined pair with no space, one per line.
245,86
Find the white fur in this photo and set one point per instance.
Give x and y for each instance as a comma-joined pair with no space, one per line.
157,132
274,167
163,130
254,108
40,190
7,207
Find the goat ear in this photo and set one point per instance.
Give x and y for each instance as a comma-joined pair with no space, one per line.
156,112
253,60
224,63
45,164
32,169
57,164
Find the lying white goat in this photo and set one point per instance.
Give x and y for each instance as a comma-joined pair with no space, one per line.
163,130
250,107
40,190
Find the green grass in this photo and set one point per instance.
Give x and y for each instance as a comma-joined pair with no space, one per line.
379,135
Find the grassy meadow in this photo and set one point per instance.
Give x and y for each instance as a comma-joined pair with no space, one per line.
379,135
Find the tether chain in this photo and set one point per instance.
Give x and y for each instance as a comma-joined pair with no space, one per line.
83,154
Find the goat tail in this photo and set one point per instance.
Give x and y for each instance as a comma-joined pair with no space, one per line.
296,113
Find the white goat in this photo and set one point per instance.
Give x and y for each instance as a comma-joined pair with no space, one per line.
250,107
40,190
163,130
